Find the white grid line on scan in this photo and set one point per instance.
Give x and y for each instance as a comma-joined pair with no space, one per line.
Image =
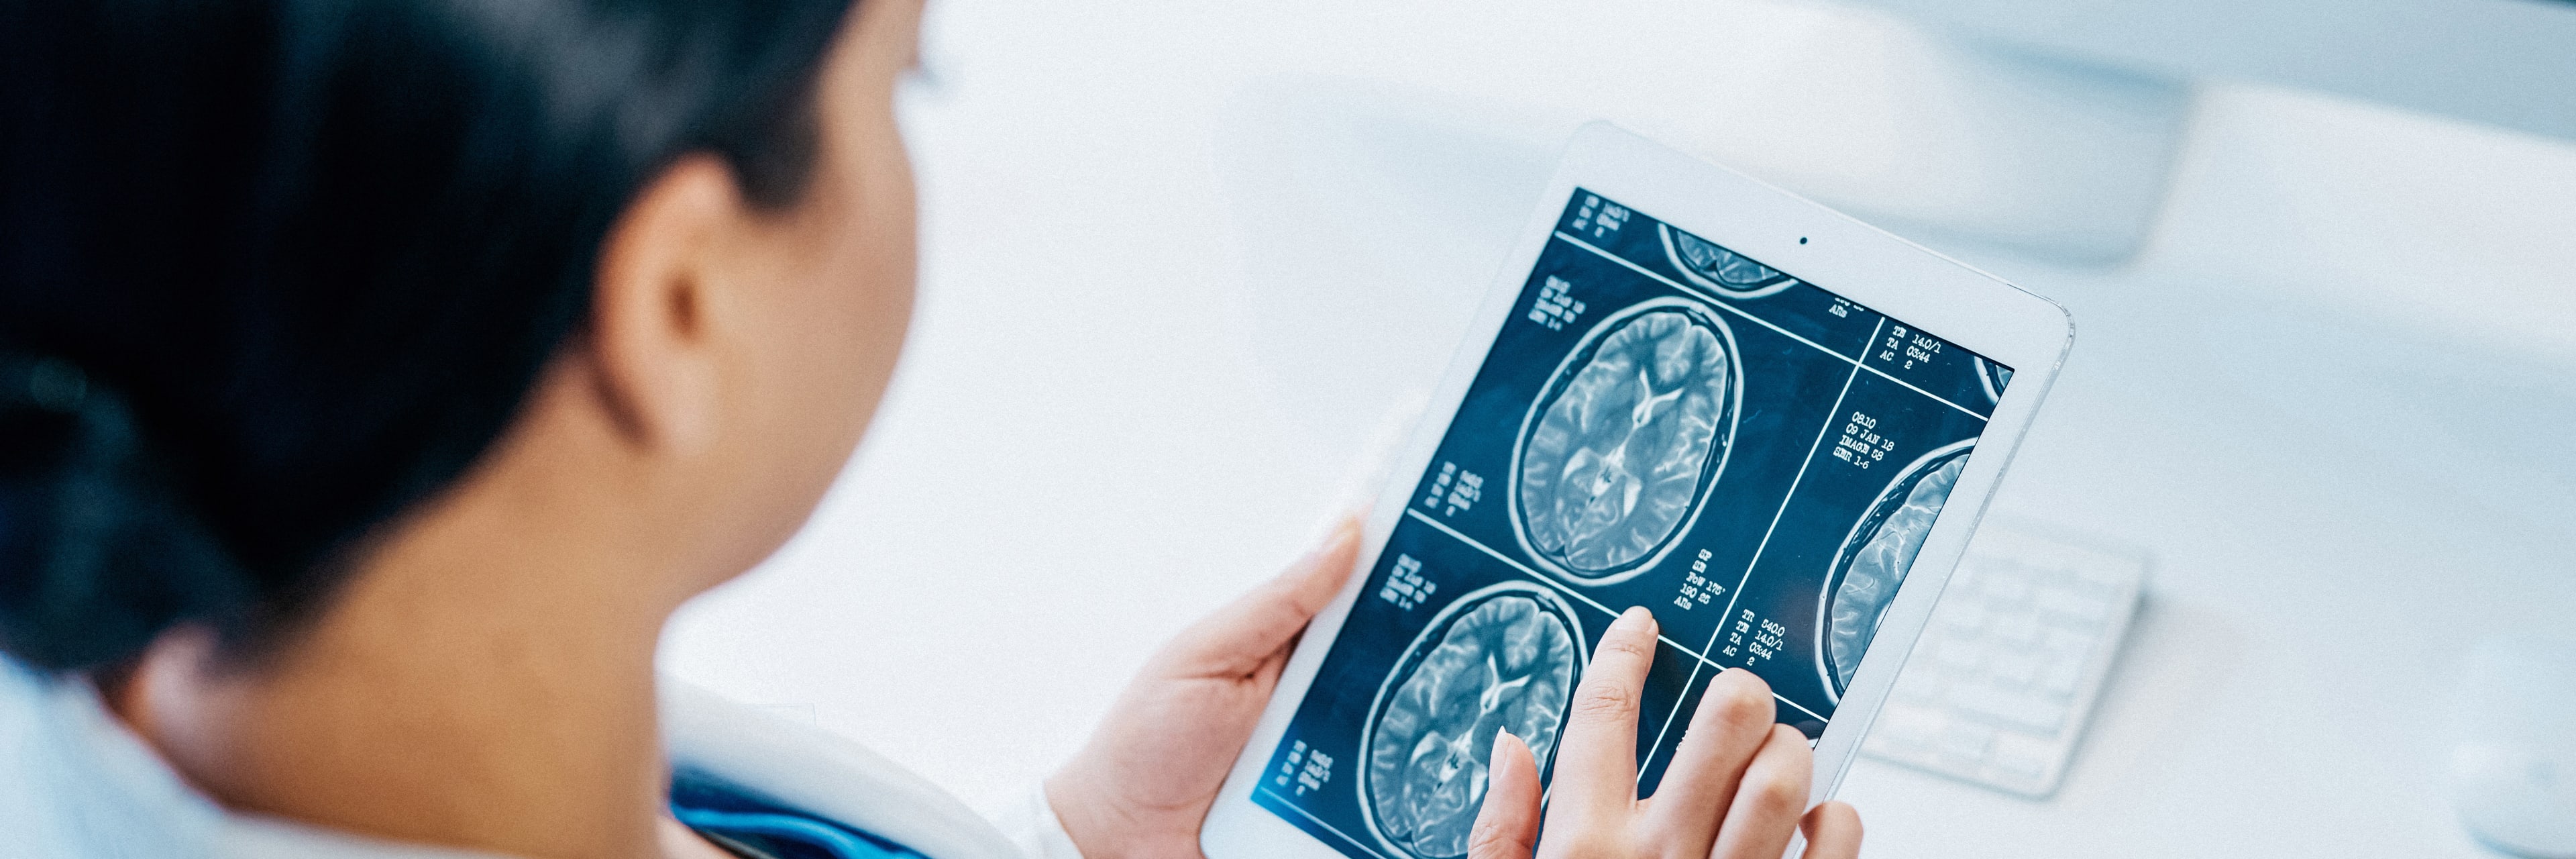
1525,570
1831,417
1730,308
1596,604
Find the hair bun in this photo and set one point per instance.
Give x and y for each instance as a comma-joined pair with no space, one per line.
99,550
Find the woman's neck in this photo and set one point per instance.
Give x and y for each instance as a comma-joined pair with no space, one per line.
486,681
517,729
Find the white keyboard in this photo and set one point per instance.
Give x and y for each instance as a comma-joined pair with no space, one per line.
1998,689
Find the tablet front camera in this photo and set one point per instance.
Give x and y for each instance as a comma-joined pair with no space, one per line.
1621,448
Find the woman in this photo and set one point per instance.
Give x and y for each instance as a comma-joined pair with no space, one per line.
377,378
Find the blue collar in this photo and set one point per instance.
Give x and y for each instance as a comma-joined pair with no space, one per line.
741,819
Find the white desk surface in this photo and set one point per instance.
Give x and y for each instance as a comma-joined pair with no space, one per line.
1179,258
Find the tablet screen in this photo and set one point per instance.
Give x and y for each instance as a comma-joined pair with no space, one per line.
1662,422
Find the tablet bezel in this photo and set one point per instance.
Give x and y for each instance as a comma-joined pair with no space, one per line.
1927,291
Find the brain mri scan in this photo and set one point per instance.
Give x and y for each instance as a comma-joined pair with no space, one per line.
1625,440
1873,560
1503,658
1726,271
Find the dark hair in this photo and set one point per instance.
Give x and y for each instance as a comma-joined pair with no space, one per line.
274,271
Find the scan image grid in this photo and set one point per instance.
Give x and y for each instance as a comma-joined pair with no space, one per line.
1662,422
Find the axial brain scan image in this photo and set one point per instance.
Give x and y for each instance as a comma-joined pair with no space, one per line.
1505,660
1874,560
1624,441
1727,270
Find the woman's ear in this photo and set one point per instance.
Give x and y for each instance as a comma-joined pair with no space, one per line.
658,365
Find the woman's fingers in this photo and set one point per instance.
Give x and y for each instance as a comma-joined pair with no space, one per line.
1769,798
1833,831
1239,639
1596,760
1507,827
1734,718
1735,790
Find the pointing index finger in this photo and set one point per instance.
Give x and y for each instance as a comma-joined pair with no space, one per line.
1596,762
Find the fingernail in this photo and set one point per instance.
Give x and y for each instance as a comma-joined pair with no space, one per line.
1499,736
1637,617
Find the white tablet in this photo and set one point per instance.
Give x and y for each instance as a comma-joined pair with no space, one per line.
1773,425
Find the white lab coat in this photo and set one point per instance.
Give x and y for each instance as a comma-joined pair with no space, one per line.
75,784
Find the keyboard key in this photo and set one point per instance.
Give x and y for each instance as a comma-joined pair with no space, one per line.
2024,756
2062,675
1961,655
1966,742
2008,706
2087,587
1908,727
1966,619
2059,640
2014,667
2006,586
2069,604
1922,686
2018,630
2112,574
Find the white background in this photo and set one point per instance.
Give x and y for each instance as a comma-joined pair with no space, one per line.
1182,259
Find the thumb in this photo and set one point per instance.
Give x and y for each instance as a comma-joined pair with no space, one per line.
1507,827
1239,638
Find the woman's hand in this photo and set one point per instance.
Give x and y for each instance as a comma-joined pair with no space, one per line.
1144,784
1735,788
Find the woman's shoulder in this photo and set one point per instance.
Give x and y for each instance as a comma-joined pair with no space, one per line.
81,785
78,785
